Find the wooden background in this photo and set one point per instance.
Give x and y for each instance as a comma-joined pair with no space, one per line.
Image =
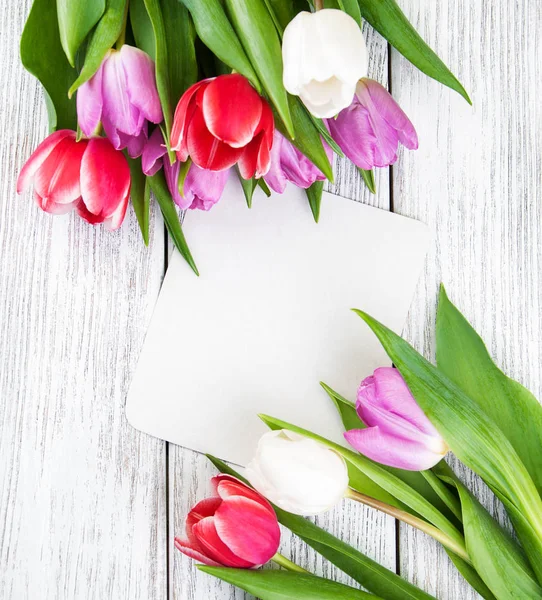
88,506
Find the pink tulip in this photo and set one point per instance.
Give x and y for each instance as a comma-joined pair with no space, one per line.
370,129
289,164
89,175
398,433
202,188
123,96
235,528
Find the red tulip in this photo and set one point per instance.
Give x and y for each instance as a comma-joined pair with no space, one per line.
89,175
223,121
235,528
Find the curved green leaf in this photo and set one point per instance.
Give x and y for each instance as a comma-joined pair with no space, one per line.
142,28
102,39
256,30
76,18
314,196
43,56
284,585
369,179
389,20
463,357
216,32
140,196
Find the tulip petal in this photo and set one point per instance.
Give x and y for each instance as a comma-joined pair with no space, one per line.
213,546
141,82
207,151
89,217
172,179
205,187
183,115
116,219
248,529
204,508
105,178
276,176
232,109
134,144
52,207
57,180
153,152
227,486
186,548
391,450
39,156
90,103
353,132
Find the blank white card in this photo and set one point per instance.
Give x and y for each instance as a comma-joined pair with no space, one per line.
269,318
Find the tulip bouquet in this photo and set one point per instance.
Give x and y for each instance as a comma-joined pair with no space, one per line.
268,88
404,422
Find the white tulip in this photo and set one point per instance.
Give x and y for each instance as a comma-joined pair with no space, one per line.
298,474
324,56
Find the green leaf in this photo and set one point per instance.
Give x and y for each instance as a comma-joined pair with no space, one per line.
43,56
171,218
369,179
443,492
180,41
102,39
314,195
473,437
255,28
248,185
142,28
140,195
216,32
388,19
471,576
367,572
284,585
463,357
264,187
319,124
76,18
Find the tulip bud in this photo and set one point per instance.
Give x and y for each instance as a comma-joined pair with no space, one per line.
398,433
297,473
324,55
235,528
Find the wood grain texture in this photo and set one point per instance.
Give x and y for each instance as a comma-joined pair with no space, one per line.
83,495
476,180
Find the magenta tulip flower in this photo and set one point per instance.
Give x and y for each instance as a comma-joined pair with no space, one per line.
398,433
122,95
89,176
289,164
202,188
235,528
370,129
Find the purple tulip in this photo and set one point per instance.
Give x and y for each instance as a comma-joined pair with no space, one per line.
398,433
122,95
202,188
370,129
289,164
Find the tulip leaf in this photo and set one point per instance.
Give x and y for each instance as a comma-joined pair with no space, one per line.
142,28
159,187
473,436
264,187
256,30
463,357
43,56
284,585
76,18
496,556
140,195
102,39
369,179
249,186
216,32
319,124
389,20
471,576
367,572
314,195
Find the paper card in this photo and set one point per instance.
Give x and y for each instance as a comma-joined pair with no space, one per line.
269,318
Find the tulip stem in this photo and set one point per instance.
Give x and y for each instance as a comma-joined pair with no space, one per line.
287,564
122,37
453,545
318,4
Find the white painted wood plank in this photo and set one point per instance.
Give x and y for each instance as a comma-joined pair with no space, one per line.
82,499
476,181
368,530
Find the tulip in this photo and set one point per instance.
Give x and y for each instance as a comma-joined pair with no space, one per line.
370,129
89,175
289,164
298,474
324,55
223,121
235,528
398,433
123,96
201,189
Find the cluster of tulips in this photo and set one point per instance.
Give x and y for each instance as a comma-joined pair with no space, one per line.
404,422
272,107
